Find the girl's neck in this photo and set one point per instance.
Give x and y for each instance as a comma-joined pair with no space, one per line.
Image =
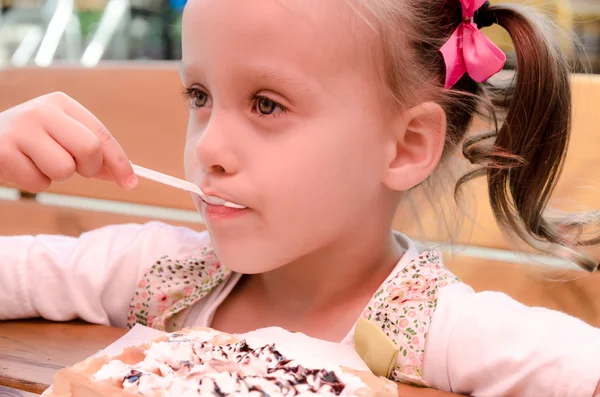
354,265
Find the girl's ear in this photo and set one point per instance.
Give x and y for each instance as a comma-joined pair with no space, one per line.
415,148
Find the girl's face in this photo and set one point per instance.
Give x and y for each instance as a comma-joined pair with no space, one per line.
286,119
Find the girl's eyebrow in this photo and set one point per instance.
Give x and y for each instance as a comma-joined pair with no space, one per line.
272,75
189,71
184,69
276,76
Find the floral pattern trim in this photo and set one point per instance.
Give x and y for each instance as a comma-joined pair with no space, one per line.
171,286
403,308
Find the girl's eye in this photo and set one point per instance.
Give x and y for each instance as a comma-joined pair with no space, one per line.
266,107
197,98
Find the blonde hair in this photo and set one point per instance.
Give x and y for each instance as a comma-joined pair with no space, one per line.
523,156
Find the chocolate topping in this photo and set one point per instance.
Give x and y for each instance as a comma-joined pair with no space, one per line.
133,376
247,366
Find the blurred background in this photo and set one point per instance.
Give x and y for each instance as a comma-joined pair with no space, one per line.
86,32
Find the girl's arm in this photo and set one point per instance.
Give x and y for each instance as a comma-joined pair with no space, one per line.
93,277
489,344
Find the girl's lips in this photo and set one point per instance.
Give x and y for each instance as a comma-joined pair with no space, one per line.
213,198
222,212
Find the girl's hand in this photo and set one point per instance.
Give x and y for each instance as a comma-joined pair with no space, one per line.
51,138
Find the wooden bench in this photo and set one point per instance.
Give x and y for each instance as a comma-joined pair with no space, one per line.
143,107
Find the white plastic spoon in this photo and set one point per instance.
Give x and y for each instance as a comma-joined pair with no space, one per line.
181,184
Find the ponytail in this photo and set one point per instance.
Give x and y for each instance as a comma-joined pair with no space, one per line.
523,158
528,152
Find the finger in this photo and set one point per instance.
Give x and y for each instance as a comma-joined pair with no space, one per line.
104,175
83,146
49,157
23,172
116,161
114,158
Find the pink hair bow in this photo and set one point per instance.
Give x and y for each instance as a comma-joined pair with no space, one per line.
470,51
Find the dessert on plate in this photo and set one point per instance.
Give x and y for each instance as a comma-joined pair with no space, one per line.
205,362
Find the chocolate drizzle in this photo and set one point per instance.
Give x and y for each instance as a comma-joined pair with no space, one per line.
280,358
259,390
331,379
133,376
217,390
284,377
243,347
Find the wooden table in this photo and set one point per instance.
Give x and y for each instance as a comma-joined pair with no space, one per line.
31,352
8,392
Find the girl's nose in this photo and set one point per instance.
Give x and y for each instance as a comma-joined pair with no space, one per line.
215,151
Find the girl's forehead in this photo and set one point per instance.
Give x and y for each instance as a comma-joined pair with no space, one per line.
271,13
313,35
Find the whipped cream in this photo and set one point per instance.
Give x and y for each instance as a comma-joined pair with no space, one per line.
193,365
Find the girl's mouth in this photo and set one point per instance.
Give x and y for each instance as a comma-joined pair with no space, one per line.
222,212
217,201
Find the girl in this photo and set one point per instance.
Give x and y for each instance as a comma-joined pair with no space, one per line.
318,117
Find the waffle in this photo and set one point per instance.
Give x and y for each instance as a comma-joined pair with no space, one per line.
205,362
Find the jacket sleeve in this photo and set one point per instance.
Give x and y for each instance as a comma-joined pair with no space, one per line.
487,344
92,277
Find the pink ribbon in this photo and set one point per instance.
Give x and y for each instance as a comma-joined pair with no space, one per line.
470,51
